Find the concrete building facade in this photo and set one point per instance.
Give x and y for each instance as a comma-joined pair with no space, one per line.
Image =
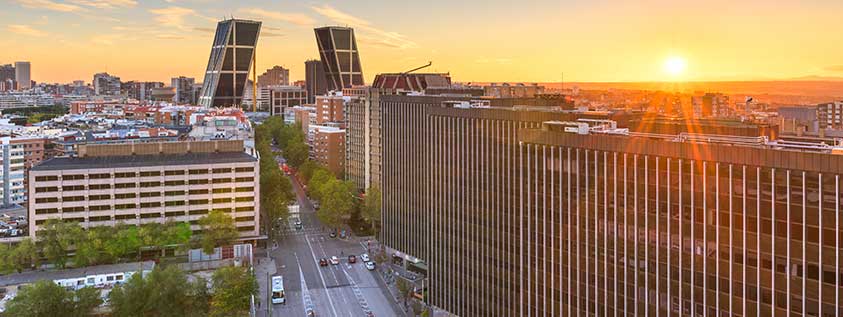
152,182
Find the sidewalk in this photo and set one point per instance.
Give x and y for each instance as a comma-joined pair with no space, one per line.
264,269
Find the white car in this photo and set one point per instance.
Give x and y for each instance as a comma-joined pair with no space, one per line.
364,257
370,265
335,260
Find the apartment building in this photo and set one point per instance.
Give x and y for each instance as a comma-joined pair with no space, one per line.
148,182
330,108
328,148
12,173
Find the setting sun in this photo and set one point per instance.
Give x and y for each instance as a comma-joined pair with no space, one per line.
674,65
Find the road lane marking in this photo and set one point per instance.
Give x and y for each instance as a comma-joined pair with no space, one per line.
319,269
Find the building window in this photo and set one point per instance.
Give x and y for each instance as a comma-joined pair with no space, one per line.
198,172
124,206
152,215
42,211
150,173
72,188
244,169
222,200
46,189
174,183
173,214
221,170
222,190
99,207
244,179
125,196
242,209
46,200
99,218
198,212
197,181
72,177
198,191
125,185
244,189
174,203
174,193
244,199
99,197
46,178
173,173
151,204
150,184
73,198
125,175
125,217
99,186
99,176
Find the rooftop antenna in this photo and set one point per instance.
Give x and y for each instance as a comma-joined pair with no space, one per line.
417,68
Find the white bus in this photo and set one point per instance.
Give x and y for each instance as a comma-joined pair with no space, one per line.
278,290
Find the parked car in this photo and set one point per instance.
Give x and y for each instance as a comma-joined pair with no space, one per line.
352,259
333,234
335,260
364,257
370,266
323,262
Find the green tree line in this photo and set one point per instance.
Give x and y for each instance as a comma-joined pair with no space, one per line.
67,243
162,292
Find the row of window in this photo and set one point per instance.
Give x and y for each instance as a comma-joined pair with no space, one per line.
49,189
44,211
48,178
171,193
141,216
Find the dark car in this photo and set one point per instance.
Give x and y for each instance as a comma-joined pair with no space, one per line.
323,262
352,259
333,234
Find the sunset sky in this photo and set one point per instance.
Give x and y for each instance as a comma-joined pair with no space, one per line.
491,40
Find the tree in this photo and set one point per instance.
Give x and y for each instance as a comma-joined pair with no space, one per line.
296,153
57,238
337,202
45,298
124,242
218,229
403,289
233,289
162,292
24,255
317,182
372,206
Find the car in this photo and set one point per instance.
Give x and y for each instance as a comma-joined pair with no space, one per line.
323,262
335,260
333,234
364,257
370,265
298,224
352,259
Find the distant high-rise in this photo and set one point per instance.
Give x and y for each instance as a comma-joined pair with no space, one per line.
106,85
231,58
22,75
275,76
7,72
184,89
315,81
139,90
340,58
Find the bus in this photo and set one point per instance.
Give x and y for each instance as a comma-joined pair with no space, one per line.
278,290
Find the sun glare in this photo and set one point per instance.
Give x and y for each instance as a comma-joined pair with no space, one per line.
674,65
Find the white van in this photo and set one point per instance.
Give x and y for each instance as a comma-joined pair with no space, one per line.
278,290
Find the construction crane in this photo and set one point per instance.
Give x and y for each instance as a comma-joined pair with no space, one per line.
417,68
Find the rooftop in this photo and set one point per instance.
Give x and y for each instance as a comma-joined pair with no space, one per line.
70,163
33,276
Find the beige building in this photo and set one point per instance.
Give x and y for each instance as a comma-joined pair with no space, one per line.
149,182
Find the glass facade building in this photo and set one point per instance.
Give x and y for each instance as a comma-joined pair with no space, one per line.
340,58
229,64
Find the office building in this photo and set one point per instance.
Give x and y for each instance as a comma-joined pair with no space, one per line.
231,58
830,115
363,136
139,90
412,81
329,108
283,97
184,90
7,75
519,90
327,147
340,57
12,174
275,76
23,75
316,82
106,85
139,183
534,212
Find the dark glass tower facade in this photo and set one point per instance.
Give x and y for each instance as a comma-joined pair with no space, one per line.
340,58
228,67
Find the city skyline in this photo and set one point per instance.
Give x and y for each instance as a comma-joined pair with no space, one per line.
596,42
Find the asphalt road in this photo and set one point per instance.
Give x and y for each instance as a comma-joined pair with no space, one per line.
336,290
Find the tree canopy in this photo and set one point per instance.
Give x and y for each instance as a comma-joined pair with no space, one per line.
46,299
162,292
233,289
218,229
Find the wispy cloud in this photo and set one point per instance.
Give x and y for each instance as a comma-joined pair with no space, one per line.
271,34
365,31
293,18
49,5
834,68
105,4
172,16
25,30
